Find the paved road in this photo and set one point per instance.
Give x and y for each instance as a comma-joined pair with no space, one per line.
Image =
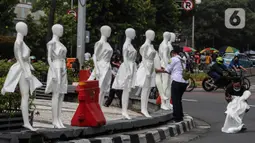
211,107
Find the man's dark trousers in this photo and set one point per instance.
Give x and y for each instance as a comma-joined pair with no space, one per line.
112,95
177,90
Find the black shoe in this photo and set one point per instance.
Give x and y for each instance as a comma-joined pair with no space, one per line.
243,129
178,120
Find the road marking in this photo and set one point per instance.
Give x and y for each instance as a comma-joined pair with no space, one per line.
252,105
190,100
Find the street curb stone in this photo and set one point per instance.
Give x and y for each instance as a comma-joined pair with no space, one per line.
153,136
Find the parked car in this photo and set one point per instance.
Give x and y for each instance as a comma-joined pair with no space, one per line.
243,59
252,58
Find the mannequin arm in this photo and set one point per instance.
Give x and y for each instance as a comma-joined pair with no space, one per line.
165,56
18,56
97,51
125,56
143,52
50,48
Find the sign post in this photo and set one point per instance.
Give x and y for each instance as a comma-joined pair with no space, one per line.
81,28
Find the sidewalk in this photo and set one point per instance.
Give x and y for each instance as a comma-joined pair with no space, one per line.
44,119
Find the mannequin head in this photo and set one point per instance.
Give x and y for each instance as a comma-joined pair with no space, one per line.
150,35
130,33
173,36
106,31
167,36
58,30
21,28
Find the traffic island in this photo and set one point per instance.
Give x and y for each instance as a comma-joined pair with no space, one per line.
116,128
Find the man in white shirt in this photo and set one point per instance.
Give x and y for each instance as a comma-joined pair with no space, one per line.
179,85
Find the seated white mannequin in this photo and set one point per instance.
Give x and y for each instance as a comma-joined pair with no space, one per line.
125,78
235,113
165,78
20,72
57,75
146,70
102,66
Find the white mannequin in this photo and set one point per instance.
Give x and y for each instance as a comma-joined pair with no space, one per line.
102,66
164,78
57,75
146,71
125,78
172,39
20,72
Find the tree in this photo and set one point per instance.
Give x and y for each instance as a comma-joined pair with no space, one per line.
7,16
210,29
120,15
167,17
51,19
68,21
35,39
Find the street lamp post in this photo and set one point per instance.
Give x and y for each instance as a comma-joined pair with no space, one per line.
193,25
81,28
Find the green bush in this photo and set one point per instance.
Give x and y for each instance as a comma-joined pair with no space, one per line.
4,67
71,76
88,64
41,70
9,101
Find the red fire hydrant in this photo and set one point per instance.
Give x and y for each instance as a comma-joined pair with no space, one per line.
88,113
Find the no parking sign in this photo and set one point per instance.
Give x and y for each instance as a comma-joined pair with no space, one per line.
187,5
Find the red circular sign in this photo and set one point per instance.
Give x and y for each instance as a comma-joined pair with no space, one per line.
187,5
73,12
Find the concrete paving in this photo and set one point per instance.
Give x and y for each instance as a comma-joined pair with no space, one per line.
44,118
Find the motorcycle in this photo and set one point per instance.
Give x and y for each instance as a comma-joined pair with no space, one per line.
209,85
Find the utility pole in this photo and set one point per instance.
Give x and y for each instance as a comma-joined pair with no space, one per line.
193,31
81,28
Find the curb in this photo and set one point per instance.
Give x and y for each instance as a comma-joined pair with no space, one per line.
153,136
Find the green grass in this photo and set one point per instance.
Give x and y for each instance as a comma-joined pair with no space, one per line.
199,76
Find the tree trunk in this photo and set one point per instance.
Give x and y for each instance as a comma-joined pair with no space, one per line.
51,20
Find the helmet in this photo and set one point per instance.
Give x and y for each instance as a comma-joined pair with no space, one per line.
219,60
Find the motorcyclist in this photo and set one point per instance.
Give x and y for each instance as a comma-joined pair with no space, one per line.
218,71
234,64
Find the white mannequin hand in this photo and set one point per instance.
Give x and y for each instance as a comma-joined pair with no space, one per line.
28,76
54,75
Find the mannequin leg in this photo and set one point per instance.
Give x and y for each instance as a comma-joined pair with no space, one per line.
24,89
144,101
102,94
55,105
161,93
168,104
60,103
138,92
168,92
125,99
92,75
